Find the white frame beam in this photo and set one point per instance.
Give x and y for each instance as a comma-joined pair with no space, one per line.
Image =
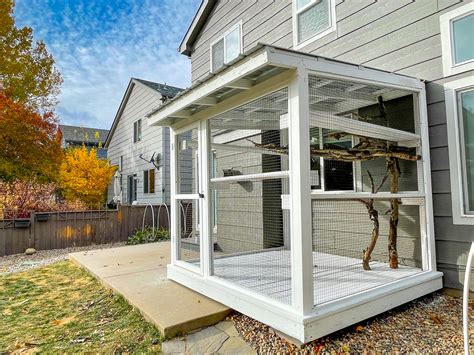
300,190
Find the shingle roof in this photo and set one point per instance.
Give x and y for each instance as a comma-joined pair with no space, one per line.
163,89
83,134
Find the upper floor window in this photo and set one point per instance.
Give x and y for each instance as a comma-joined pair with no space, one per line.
227,48
457,29
459,97
137,131
312,19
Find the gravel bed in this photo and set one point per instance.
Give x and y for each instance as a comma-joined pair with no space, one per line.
22,262
432,324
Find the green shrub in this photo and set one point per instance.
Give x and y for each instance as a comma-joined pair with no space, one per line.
148,236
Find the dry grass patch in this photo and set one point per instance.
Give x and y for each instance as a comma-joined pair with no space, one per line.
61,308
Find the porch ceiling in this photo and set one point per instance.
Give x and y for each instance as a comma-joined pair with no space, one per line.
257,67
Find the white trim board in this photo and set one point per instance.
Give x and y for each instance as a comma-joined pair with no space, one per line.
455,157
446,20
323,319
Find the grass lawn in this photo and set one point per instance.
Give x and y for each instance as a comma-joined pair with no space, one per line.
61,308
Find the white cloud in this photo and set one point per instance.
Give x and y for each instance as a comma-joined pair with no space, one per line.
98,47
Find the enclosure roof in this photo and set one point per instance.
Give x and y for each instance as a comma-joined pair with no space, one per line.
255,67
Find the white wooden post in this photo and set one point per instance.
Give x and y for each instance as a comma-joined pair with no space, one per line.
204,202
174,203
429,242
300,191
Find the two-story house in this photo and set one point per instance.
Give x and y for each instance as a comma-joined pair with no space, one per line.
140,152
332,146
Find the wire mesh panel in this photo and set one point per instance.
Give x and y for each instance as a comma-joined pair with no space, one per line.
249,183
189,242
363,139
354,128
188,209
343,231
187,150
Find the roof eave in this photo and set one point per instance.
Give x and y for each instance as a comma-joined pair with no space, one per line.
187,44
266,55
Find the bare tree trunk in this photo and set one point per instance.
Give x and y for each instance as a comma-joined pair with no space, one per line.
392,165
374,217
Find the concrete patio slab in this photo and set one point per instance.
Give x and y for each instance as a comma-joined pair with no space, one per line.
138,273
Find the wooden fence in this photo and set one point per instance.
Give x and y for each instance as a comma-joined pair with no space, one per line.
55,230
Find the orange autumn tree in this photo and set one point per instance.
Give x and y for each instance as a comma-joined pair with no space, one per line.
83,176
30,143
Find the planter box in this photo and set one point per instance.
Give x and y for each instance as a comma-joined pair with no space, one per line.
22,223
42,217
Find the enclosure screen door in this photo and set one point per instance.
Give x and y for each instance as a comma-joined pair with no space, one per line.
187,197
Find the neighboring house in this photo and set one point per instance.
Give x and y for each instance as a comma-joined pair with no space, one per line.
428,39
73,136
265,71
130,137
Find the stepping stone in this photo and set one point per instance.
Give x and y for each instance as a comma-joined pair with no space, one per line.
227,326
235,345
208,340
177,346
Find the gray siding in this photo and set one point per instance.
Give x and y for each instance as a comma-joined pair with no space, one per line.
452,241
154,140
399,36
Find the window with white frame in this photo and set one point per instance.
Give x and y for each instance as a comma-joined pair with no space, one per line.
457,29
459,97
312,19
227,48
137,131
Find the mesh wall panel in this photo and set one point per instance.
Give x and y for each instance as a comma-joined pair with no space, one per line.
345,115
187,162
187,175
342,231
361,138
251,229
189,243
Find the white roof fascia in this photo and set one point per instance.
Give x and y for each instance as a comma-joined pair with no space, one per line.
285,58
339,70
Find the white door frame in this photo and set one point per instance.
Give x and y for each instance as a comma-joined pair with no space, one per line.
176,197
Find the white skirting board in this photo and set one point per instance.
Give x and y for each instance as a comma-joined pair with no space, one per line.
325,318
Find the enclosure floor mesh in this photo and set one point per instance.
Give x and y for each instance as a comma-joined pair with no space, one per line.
334,276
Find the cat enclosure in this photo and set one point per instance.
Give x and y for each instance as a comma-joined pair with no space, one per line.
301,191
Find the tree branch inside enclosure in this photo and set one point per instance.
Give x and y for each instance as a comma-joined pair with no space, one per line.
374,217
367,149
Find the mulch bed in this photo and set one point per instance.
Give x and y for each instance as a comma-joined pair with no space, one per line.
432,324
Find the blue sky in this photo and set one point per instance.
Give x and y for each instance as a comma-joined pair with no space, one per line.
98,45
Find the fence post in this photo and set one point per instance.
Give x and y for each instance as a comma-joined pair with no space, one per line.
31,237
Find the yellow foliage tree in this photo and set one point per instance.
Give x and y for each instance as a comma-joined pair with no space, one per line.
84,176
